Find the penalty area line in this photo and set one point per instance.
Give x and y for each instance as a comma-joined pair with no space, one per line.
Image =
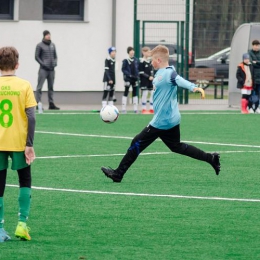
140,194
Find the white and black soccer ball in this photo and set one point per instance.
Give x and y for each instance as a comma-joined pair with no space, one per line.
109,114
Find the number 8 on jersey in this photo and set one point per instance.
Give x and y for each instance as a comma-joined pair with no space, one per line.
6,118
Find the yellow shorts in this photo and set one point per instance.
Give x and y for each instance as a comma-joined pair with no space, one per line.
18,160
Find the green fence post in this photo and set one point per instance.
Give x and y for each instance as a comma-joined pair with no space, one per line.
136,37
180,90
187,38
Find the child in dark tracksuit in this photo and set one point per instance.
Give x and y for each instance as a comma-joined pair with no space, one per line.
130,73
146,80
109,78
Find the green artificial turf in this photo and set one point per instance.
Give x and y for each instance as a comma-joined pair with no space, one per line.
168,206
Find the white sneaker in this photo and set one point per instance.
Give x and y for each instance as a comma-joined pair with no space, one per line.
251,111
257,110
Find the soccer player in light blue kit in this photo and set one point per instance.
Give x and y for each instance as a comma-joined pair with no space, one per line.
166,121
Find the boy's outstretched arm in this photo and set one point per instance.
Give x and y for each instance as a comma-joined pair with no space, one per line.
183,83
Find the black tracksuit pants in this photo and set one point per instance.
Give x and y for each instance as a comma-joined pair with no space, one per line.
170,137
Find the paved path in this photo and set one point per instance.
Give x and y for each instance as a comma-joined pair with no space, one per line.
193,105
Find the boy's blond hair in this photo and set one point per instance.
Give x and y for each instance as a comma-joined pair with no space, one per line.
8,58
160,51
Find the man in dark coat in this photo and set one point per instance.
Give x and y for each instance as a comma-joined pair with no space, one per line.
46,56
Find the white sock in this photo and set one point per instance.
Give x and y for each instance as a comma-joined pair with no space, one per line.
144,98
124,101
111,103
135,102
104,103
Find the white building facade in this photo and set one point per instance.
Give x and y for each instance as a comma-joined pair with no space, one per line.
81,41
82,31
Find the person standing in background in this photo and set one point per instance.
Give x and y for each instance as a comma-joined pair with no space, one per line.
146,80
130,73
46,56
255,60
245,83
109,78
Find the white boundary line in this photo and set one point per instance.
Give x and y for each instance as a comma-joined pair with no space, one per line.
122,154
69,113
130,138
139,194
84,135
130,113
95,155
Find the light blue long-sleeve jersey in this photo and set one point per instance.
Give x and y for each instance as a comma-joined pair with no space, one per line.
166,111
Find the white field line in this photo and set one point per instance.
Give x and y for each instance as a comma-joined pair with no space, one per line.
69,113
95,155
139,194
84,135
130,138
122,154
182,112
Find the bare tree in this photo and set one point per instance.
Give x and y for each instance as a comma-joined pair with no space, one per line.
215,22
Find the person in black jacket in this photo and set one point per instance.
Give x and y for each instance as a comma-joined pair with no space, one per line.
46,56
255,60
109,78
146,80
130,73
245,83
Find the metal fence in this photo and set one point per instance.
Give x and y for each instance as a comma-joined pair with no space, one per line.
198,33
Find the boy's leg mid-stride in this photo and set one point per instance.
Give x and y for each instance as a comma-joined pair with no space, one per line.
171,138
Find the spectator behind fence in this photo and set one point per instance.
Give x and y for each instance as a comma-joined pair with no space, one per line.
46,56
130,73
245,83
254,54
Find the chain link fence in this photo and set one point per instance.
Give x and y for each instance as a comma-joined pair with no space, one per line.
198,34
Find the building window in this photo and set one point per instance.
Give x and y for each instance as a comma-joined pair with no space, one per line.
63,10
6,9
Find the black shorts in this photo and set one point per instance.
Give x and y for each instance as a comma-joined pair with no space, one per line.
150,87
129,84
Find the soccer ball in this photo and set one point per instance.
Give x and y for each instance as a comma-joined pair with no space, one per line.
109,114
